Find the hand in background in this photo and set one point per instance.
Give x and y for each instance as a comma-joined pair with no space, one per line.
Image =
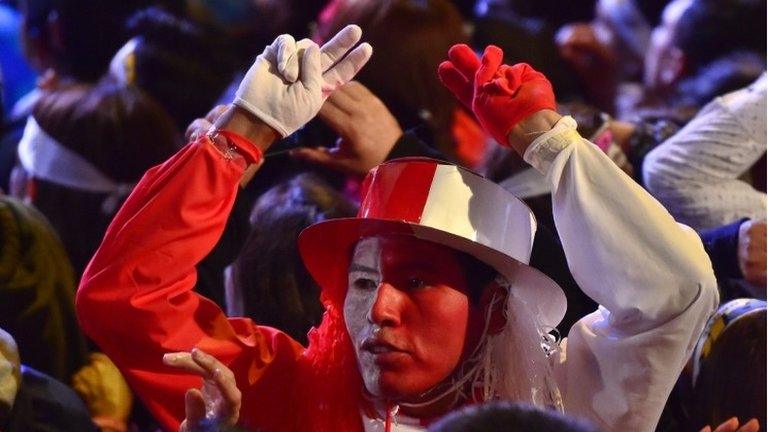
105,392
201,126
585,48
751,252
289,81
367,131
732,425
217,403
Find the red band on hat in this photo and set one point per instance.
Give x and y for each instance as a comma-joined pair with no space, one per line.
397,192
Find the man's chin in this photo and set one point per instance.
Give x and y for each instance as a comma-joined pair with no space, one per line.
395,387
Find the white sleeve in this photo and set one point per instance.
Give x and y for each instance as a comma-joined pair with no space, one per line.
650,275
695,173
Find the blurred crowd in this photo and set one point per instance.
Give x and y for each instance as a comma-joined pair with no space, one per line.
95,93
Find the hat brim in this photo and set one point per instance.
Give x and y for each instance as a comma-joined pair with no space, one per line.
326,249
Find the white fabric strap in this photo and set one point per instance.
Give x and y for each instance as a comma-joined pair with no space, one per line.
545,148
45,158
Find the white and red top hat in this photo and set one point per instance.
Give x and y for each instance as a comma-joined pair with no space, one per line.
444,204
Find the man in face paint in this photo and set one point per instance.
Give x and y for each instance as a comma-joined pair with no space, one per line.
404,323
410,314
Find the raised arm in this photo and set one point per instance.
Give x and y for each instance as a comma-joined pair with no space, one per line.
136,300
650,275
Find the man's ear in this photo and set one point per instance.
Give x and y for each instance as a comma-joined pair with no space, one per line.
674,67
494,302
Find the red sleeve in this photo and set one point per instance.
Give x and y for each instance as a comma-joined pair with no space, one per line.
136,300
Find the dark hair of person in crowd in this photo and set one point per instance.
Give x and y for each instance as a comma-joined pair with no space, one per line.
184,67
116,128
39,402
731,379
651,10
411,39
77,38
554,13
508,417
269,276
727,73
252,25
37,287
709,29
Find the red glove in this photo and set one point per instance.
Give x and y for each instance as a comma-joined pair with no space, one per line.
458,73
501,96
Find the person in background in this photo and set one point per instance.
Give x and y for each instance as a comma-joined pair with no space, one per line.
268,281
82,151
66,42
526,31
609,50
508,417
31,401
695,33
697,173
251,25
180,64
682,66
722,387
738,254
106,394
411,38
18,76
37,288
711,176
728,373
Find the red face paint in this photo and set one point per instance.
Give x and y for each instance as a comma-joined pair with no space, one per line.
407,313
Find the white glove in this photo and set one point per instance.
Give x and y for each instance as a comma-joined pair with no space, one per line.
286,96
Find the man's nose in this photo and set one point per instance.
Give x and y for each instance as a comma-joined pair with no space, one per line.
386,308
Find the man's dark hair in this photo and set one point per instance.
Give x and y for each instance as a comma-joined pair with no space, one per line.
478,274
709,29
508,417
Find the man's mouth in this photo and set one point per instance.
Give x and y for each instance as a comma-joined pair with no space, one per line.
379,346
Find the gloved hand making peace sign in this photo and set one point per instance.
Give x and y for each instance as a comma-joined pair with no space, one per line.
289,81
501,96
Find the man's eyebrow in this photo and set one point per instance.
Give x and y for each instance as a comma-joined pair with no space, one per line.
354,267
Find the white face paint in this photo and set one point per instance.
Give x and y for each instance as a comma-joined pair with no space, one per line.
10,374
364,281
408,314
